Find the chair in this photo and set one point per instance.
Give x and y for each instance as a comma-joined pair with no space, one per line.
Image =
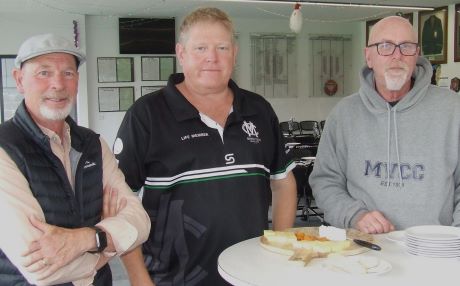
304,193
290,128
299,151
310,133
310,127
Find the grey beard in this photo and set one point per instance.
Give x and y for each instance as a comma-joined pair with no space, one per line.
56,114
395,83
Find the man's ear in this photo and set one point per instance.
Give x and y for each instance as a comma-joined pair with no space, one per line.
180,52
18,76
236,49
367,55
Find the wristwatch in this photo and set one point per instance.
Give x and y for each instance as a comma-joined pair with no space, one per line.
101,240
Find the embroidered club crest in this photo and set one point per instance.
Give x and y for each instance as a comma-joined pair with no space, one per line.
250,129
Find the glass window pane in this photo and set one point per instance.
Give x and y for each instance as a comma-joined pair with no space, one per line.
11,97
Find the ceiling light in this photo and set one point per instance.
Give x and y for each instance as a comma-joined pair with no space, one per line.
335,4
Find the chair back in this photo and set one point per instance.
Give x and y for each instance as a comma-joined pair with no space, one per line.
290,128
310,127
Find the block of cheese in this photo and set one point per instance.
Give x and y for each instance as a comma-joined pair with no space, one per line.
333,233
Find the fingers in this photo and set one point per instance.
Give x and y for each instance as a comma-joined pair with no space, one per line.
48,270
374,222
33,246
380,223
37,223
111,206
113,202
32,258
40,265
105,202
123,203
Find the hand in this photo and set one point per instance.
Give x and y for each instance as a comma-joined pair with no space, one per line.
110,207
55,248
374,222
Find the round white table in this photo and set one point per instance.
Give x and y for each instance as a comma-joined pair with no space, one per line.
247,263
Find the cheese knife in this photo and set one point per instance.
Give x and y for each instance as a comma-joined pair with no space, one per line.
367,244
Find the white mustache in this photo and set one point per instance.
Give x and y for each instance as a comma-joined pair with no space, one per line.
56,97
402,66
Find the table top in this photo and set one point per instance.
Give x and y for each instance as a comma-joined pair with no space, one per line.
247,263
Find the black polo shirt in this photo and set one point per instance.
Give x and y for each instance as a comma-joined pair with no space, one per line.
203,192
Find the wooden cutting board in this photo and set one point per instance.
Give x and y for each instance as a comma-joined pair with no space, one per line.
287,249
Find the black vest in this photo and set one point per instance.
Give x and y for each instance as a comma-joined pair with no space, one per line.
30,149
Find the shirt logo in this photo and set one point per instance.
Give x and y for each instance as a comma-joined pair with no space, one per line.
229,159
89,164
250,129
117,146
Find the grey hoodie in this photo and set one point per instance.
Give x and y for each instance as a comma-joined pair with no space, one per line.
416,142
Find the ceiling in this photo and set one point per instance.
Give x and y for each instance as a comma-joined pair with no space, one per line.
174,8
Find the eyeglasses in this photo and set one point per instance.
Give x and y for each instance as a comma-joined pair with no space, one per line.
388,48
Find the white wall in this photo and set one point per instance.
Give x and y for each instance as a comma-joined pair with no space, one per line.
99,37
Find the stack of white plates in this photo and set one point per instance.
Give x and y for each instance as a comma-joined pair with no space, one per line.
433,241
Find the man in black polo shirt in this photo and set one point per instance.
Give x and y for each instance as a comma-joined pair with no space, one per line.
206,153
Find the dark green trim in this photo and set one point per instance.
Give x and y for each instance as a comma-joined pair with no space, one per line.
285,168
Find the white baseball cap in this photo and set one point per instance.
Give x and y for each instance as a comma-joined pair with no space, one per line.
46,44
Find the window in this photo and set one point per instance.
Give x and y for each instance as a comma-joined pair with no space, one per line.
274,65
10,98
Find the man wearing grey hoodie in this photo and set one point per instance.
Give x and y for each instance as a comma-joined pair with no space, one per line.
389,154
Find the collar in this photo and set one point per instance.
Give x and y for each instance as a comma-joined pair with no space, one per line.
183,110
55,137
23,119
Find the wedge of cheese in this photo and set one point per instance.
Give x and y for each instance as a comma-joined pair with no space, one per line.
281,237
333,233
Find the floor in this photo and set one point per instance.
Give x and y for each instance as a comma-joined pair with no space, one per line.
120,276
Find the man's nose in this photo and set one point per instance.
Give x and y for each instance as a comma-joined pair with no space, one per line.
57,81
211,56
397,52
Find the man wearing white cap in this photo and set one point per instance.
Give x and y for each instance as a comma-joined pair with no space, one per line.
65,208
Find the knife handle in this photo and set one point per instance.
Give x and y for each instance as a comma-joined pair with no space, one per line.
367,244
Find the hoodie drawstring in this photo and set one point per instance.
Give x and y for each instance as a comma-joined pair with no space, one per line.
397,148
389,143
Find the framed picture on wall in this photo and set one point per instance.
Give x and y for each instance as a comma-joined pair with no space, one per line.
149,89
157,68
371,23
110,69
432,35
457,34
115,98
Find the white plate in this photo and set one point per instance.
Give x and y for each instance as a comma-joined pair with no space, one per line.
432,246
433,243
397,236
441,252
434,255
434,232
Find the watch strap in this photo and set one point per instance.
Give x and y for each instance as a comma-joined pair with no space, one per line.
101,240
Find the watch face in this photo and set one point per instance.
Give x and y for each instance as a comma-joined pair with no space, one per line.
101,241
